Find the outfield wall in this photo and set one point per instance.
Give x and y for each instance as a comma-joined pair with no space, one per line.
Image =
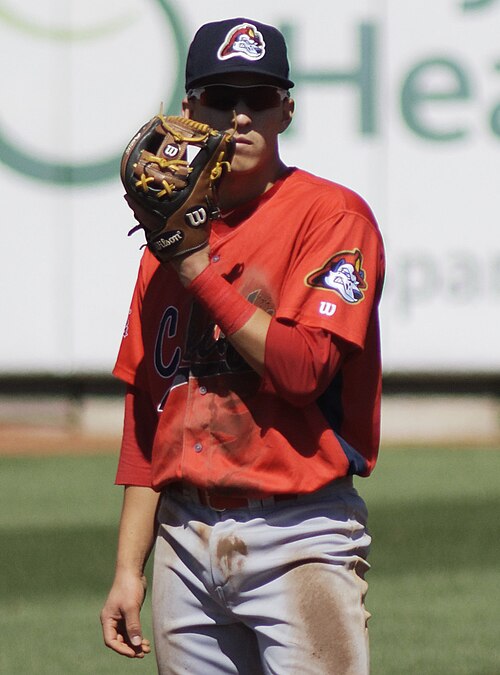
399,100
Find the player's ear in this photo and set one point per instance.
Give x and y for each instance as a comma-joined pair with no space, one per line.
187,108
288,110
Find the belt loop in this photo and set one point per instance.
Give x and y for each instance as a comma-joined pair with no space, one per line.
265,502
259,503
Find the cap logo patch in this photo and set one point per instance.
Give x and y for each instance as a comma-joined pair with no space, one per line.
343,273
243,40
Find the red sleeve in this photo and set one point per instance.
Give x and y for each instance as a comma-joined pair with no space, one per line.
139,426
335,282
131,352
300,361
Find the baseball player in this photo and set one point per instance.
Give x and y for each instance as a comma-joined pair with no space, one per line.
253,392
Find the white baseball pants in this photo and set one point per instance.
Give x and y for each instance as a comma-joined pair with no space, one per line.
270,589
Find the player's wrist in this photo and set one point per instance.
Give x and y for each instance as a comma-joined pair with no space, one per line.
128,570
188,267
221,300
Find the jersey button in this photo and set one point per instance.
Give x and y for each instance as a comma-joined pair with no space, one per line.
203,390
198,447
215,258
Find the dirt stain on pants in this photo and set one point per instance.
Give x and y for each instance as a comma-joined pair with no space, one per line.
329,602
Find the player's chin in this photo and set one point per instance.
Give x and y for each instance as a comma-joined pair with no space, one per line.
244,161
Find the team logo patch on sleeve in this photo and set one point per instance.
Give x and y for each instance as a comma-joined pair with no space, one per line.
343,273
243,40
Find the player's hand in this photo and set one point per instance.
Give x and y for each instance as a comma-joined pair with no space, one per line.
120,617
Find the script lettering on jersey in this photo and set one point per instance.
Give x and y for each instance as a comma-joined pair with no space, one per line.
206,351
167,328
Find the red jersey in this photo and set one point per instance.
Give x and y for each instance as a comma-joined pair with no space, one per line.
308,251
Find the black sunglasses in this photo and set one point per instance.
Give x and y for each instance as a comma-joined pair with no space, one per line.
225,97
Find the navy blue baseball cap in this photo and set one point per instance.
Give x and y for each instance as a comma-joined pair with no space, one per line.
237,46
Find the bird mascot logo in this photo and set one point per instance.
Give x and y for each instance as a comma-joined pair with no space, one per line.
342,273
243,40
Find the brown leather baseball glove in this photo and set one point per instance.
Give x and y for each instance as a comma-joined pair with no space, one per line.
170,170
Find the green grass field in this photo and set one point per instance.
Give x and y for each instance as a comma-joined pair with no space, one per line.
434,584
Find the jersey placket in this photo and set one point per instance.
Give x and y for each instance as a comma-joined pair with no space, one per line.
197,439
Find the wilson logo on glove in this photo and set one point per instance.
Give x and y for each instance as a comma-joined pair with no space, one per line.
197,216
171,150
173,197
165,241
